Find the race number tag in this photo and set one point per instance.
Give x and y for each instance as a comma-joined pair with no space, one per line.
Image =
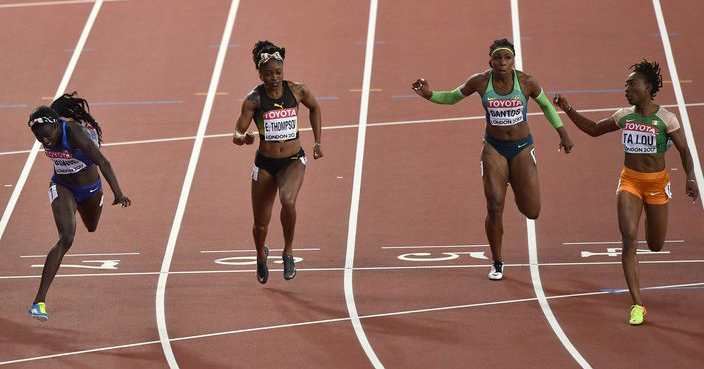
255,173
639,138
505,112
53,194
280,124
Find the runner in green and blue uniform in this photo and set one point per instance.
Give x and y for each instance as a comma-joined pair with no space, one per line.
508,156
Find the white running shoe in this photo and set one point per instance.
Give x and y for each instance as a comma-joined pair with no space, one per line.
497,271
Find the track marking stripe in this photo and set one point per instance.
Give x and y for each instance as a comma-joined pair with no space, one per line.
333,320
337,269
356,189
432,247
59,91
679,97
185,190
530,225
44,3
247,250
613,242
381,124
67,255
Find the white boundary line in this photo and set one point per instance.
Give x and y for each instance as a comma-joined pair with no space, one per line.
333,320
679,97
252,251
530,225
185,190
432,247
613,242
59,91
67,255
340,269
44,3
381,124
356,190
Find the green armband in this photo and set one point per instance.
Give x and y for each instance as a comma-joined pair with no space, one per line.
447,97
548,110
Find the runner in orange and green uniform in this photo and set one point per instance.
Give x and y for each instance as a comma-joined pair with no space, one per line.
647,130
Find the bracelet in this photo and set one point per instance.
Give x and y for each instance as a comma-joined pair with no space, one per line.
691,180
568,110
316,144
238,134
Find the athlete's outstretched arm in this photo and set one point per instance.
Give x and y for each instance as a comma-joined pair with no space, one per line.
80,140
678,139
584,124
421,87
535,92
315,117
249,106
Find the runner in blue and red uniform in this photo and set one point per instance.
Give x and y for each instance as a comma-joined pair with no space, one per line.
508,156
71,138
280,162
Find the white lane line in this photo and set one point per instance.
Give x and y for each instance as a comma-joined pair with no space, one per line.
613,242
356,189
454,266
334,320
382,124
59,91
686,125
432,247
185,190
44,3
530,225
252,251
68,255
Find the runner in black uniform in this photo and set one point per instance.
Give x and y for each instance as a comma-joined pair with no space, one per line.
280,162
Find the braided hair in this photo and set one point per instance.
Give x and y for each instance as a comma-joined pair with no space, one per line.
267,47
76,108
501,43
42,115
651,72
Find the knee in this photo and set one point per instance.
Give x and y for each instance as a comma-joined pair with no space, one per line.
65,242
260,227
494,210
531,213
655,246
629,243
288,203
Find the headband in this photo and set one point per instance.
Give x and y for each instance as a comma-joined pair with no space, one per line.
41,120
265,57
502,48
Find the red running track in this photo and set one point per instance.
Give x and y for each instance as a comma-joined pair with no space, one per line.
147,67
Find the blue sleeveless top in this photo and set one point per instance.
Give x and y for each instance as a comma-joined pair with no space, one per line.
68,160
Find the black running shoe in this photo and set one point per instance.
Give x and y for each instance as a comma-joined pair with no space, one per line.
289,267
497,271
262,269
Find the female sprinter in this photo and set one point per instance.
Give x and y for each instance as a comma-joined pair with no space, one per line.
508,156
71,138
644,184
280,162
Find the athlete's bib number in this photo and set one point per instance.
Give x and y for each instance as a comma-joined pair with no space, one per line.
280,125
639,138
505,112
64,162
